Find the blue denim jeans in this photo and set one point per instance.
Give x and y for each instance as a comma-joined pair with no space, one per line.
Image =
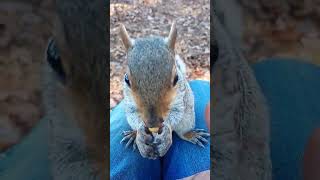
183,158
292,90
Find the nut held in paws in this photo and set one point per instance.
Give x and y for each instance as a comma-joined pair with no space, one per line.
154,130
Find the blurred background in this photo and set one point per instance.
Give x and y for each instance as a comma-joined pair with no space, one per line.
25,27
269,28
288,28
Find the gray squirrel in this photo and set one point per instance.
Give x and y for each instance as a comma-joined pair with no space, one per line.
158,99
74,92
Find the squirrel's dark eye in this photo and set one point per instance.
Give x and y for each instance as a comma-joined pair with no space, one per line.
54,60
176,78
126,79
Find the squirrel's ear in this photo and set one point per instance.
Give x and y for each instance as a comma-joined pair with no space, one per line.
171,40
126,40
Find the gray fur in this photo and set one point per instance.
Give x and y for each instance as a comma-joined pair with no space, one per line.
231,16
151,62
181,115
240,124
67,151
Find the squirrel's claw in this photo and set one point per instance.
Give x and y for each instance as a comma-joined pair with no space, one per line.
125,138
197,141
130,141
202,138
196,136
126,133
134,145
129,136
202,132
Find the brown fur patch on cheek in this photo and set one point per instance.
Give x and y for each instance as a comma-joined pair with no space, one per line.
165,101
90,121
77,106
142,110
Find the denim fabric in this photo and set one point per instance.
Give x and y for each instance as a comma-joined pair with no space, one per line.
28,160
292,90
182,160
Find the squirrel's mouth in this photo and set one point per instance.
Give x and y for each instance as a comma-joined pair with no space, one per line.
151,130
154,129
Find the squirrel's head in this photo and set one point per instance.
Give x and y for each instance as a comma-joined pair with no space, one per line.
151,74
76,74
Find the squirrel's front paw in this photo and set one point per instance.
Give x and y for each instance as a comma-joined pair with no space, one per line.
163,140
154,145
196,136
129,136
146,147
